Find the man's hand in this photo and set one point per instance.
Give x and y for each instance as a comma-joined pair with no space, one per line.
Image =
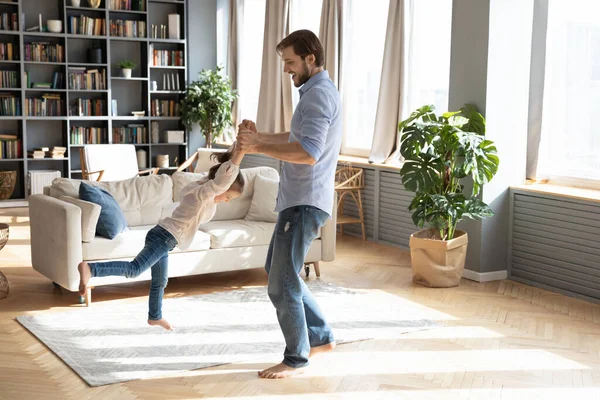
249,142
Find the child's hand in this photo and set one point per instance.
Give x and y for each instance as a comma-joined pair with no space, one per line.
247,125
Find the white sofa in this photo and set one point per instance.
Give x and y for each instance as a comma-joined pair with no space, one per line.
59,226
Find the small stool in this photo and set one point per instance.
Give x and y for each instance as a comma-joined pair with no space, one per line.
349,181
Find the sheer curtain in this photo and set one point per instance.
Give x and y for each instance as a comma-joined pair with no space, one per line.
429,55
275,99
304,14
416,69
570,141
364,38
250,63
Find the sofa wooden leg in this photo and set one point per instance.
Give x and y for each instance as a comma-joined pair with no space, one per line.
317,269
88,296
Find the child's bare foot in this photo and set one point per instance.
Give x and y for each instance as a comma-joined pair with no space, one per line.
321,349
160,322
85,273
280,371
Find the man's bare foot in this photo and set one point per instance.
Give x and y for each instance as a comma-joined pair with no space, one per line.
85,273
321,349
160,322
280,371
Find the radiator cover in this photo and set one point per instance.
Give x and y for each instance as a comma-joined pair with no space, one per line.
555,243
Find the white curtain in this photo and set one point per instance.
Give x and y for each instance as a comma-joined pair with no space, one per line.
330,32
234,43
275,99
393,86
536,86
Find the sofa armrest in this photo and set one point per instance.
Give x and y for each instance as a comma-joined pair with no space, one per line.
329,235
55,228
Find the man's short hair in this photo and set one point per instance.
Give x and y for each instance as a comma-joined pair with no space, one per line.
304,43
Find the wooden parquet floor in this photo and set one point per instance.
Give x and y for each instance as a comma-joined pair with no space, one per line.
500,340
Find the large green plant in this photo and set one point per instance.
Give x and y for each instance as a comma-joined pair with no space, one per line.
439,152
208,102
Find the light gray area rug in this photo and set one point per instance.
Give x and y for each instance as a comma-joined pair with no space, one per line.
107,344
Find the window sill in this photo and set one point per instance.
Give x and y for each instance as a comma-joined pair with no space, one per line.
364,161
568,192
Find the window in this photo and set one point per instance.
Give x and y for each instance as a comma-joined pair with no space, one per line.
250,66
364,39
304,14
570,143
429,77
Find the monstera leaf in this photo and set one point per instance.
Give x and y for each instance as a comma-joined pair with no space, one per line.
439,152
421,175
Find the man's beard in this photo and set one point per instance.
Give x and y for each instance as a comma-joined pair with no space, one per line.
302,79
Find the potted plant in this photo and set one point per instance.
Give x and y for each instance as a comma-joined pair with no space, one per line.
126,67
207,104
440,152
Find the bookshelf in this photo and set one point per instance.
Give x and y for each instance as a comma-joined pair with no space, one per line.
73,75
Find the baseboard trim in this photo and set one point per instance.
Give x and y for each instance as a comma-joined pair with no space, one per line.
485,276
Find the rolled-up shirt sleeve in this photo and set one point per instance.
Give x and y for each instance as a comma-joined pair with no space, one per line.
317,113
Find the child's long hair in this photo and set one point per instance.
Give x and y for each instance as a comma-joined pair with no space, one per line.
222,157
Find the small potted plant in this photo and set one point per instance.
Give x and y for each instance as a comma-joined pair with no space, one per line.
440,152
126,67
207,104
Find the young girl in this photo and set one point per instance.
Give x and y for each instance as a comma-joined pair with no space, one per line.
198,205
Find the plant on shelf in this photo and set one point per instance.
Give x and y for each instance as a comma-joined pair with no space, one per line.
208,103
440,152
126,67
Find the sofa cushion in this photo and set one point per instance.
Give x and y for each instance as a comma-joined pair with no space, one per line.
90,213
264,200
111,221
181,180
237,208
141,198
130,243
238,233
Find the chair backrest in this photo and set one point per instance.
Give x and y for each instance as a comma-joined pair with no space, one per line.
204,162
118,161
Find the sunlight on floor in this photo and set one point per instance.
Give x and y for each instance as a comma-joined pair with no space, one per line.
541,393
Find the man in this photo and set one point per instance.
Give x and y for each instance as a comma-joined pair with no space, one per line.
305,200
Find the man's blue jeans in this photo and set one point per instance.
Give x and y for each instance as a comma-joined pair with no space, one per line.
155,254
302,322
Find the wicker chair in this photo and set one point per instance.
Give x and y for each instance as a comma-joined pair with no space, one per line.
349,182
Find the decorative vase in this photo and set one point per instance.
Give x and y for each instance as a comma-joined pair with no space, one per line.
75,3
3,281
8,179
141,159
95,55
162,160
54,25
94,3
126,72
